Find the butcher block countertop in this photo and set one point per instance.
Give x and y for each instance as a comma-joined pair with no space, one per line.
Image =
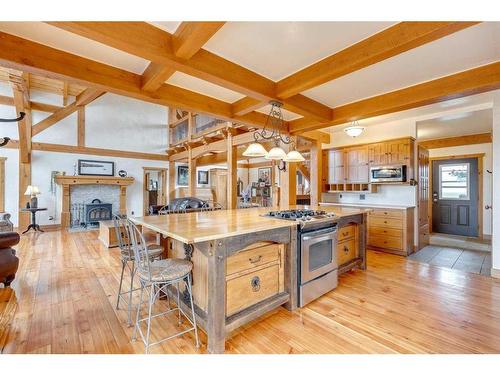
197,227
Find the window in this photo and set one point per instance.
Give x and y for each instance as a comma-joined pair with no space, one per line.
454,181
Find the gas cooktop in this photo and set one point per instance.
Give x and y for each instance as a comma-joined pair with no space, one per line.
300,215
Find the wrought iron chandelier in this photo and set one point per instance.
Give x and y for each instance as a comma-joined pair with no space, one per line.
271,132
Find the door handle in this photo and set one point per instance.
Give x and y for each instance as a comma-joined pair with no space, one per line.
488,207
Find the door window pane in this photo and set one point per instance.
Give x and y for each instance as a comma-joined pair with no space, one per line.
454,181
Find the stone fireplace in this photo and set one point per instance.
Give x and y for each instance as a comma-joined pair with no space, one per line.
83,191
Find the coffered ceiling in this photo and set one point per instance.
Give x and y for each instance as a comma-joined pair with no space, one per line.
234,69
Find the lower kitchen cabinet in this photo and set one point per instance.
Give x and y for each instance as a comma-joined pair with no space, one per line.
391,230
347,244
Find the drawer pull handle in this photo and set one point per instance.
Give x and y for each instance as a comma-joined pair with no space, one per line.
385,221
255,260
255,283
345,234
346,249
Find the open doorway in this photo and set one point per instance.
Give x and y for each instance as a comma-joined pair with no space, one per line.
154,188
455,190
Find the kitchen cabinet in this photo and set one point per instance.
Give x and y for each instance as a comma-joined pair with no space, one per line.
357,165
391,230
218,183
336,167
349,167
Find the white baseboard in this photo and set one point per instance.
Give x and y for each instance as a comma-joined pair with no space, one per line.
495,273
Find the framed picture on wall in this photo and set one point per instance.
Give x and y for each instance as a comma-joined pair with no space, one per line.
182,175
96,168
203,177
265,175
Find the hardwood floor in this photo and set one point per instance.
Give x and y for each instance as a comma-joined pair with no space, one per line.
65,294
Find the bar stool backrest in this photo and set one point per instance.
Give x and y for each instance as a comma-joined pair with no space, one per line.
141,255
122,232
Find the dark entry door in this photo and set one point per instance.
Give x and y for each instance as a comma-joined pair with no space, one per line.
455,196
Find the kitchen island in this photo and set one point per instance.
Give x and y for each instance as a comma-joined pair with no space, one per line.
246,264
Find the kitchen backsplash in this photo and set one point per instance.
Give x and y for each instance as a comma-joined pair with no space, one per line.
386,194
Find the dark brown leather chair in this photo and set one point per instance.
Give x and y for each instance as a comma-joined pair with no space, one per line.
8,260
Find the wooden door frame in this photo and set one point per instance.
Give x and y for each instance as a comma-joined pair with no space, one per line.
480,159
163,172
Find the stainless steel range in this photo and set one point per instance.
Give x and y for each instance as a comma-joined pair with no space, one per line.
317,251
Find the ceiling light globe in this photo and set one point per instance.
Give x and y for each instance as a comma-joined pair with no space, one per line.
255,150
294,157
354,131
276,153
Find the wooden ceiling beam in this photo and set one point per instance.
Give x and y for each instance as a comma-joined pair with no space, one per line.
36,106
246,105
187,40
469,82
471,139
390,42
190,37
146,41
81,100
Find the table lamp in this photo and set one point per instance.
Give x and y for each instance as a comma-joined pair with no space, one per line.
33,191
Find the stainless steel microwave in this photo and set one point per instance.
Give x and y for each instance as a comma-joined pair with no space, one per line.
388,173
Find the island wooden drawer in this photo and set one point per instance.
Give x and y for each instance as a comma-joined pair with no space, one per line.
386,222
386,242
384,231
346,251
249,289
346,232
380,212
248,259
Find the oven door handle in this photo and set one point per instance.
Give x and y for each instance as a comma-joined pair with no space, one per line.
320,234
329,236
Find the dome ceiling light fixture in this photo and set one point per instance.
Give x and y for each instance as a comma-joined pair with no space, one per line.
271,132
354,129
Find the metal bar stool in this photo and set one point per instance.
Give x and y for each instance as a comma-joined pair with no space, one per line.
122,232
157,276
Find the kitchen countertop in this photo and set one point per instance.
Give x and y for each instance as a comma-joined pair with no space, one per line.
338,204
206,226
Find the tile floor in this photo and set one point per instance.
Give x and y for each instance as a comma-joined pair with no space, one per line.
459,259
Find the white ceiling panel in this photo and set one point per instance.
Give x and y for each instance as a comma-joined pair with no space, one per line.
57,38
203,87
455,125
278,49
169,26
287,115
466,49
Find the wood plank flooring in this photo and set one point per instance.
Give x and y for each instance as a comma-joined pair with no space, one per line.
64,297
458,259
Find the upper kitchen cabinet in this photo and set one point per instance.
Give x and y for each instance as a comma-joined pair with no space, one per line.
349,167
357,164
336,167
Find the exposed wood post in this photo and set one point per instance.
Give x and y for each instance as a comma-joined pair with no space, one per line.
191,173
81,127
171,181
216,309
22,103
65,93
232,172
123,200
315,170
65,214
288,182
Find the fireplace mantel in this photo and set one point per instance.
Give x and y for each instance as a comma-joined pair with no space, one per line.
67,181
94,180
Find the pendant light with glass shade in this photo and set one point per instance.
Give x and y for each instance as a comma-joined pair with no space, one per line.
271,132
354,129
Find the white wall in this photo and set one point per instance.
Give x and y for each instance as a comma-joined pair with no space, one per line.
112,122
485,148
496,184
